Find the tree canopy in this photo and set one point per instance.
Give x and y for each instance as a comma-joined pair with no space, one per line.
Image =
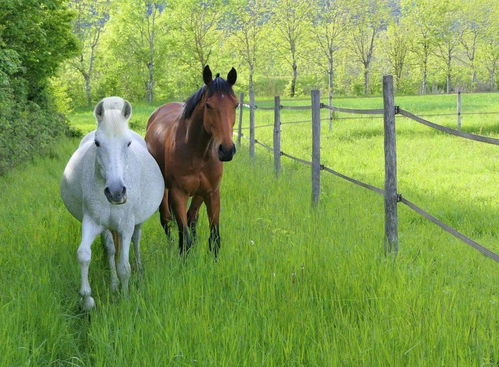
291,46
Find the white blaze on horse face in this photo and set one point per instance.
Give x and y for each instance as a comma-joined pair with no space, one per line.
112,140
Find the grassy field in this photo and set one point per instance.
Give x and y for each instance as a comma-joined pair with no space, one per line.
293,286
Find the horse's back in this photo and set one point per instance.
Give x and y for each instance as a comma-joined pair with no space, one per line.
161,124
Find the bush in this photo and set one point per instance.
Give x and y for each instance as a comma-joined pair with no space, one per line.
35,37
28,129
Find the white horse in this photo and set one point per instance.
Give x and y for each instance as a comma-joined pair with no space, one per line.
112,185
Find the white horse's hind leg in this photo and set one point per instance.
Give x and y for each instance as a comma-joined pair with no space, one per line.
89,231
123,263
107,238
136,246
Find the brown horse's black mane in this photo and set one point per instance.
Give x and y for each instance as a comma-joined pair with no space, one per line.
217,86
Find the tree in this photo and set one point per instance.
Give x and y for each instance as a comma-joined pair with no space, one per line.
329,20
368,19
35,38
475,24
245,22
133,33
39,33
445,29
420,18
490,48
198,23
290,23
91,16
397,49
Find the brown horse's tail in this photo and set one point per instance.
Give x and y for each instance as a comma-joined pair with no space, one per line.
117,245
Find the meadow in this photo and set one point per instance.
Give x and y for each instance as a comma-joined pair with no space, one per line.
293,285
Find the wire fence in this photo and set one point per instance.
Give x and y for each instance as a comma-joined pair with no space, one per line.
390,193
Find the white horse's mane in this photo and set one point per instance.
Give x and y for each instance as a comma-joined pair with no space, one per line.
113,122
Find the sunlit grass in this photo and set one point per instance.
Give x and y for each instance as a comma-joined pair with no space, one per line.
293,286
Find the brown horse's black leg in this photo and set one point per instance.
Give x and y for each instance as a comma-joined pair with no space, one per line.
165,215
214,241
184,240
192,215
213,208
179,206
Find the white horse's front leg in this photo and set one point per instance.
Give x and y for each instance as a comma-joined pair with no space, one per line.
123,262
107,238
136,246
89,231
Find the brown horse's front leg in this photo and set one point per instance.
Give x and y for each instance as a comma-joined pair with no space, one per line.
179,207
165,215
213,208
192,215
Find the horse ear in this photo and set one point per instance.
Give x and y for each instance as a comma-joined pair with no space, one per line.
127,109
207,75
232,76
99,110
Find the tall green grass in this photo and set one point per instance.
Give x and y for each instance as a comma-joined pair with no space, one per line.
293,286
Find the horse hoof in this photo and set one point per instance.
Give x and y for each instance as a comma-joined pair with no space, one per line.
88,303
115,286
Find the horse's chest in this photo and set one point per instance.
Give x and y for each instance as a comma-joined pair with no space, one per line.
197,184
110,216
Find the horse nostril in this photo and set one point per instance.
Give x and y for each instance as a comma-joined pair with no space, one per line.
221,148
106,191
123,192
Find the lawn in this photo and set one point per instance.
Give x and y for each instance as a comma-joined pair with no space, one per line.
293,286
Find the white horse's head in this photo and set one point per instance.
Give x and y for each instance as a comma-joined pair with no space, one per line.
113,140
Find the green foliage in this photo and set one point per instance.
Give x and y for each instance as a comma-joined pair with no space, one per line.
141,58
34,39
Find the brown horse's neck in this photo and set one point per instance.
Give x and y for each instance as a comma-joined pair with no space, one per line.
197,138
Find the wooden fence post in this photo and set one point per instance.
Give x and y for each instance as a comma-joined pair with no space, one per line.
316,145
240,125
252,123
277,135
391,196
459,116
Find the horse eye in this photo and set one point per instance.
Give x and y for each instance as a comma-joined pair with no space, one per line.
208,106
97,143
130,142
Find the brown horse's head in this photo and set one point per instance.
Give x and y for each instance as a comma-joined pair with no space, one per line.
219,115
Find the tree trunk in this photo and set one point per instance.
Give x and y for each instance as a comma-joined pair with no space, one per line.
449,72
293,80
150,82
474,77
366,79
88,89
330,81
250,84
424,83
330,89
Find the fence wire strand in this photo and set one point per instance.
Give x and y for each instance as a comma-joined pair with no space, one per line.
483,139
354,181
350,110
449,229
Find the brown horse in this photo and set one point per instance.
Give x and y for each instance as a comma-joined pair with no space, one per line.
189,141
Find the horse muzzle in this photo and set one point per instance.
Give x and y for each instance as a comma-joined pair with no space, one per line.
116,197
226,155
